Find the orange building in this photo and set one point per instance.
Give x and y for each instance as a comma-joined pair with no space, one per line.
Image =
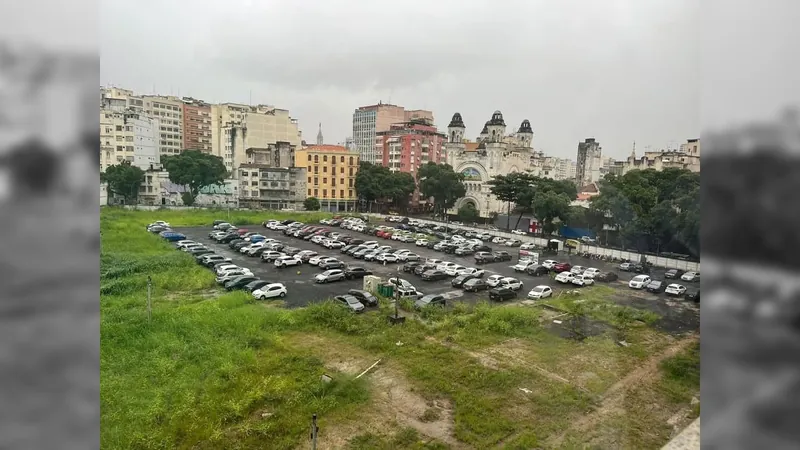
196,125
331,172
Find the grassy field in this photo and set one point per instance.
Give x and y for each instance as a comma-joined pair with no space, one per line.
218,370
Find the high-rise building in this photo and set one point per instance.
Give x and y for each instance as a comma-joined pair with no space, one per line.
196,125
408,145
169,111
369,120
589,162
128,135
237,128
331,175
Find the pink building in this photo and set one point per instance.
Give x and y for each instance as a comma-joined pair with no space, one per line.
406,146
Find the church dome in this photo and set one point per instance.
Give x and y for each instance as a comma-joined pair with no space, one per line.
497,119
456,121
525,127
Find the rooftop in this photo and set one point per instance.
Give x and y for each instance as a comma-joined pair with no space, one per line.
326,148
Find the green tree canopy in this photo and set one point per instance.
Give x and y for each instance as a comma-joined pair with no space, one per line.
311,204
194,170
652,208
443,184
522,190
468,213
124,179
375,183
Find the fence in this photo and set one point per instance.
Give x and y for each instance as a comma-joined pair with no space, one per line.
658,261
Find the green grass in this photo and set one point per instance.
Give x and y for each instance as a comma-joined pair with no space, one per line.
218,370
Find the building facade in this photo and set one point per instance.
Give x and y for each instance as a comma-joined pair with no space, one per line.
686,157
589,162
494,153
196,125
370,120
169,111
128,135
330,175
406,146
264,187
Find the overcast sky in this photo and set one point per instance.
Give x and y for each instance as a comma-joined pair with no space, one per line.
617,70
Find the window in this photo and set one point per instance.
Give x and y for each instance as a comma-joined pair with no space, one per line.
333,193
341,170
324,181
351,182
324,193
309,192
309,180
316,192
325,159
351,171
351,160
120,148
309,158
350,193
316,181
309,168
341,193
316,169
325,169
316,158
119,127
341,180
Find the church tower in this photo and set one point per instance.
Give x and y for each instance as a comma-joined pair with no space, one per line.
319,135
525,134
455,130
496,127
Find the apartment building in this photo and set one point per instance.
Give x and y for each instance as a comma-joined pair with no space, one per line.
235,128
263,187
120,99
589,162
128,135
196,125
686,157
169,111
370,120
330,175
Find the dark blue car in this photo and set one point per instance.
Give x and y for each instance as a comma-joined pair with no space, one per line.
172,236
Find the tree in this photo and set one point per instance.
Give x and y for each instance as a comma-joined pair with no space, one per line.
522,189
442,183
311,204
124,180
195,170
549,206
468,213
378,184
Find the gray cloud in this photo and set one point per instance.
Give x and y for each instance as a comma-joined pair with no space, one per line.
619,70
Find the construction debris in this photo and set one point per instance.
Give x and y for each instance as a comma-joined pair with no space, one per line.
369,368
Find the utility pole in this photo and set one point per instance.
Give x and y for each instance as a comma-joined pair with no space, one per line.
149,291
314,431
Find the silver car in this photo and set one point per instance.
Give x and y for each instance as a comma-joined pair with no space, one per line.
329,276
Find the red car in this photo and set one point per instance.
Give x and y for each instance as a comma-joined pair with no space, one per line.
562,267
242,231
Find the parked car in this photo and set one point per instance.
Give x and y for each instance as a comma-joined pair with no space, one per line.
475,285
239,282
537,270
364,297
270,291
350,302
494,280
410,266
483,257
478,273
433,275
513,243
519,232
673,273
675,289
500,294
550,263
511,283
329,276
625,267
253,285
209,260
430,300
522,266
502,256
540,292
459,281
639,282
286,261
582,280
606,276
693,295
655,286
331,264
565,277
356,272
562,267
419,270
691,276
591,272
272,256
453,271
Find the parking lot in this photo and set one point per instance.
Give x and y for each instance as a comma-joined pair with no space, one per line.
299,280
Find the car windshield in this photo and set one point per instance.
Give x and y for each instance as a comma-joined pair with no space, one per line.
639,278
351,300
428,298
538,289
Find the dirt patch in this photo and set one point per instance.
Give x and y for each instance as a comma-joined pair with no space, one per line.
584,327
613,400
394,404
677,316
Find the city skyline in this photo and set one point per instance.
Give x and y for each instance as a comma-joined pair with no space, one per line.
634,79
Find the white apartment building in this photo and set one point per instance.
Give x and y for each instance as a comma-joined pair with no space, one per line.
589,162
169,111
128,135
237,128
120,99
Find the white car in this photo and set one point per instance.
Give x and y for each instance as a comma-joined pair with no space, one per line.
184,243
433,261
388,257
520,232
512,242
498,240
690,276
285,261
591,272
540,292
528,246
370,245
582,280
472,271
421,242
223,225
280,227
270,291
549,263
231,274
639,282
458,239
253,248
565,277
577,270
271,255
675,289
318,239
402,283
522,265
511,283
335,245
453,271
444,266
494,280
407,256
225,267
314,260
330,275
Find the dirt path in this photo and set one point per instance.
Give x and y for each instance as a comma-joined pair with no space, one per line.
394,403
613,399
